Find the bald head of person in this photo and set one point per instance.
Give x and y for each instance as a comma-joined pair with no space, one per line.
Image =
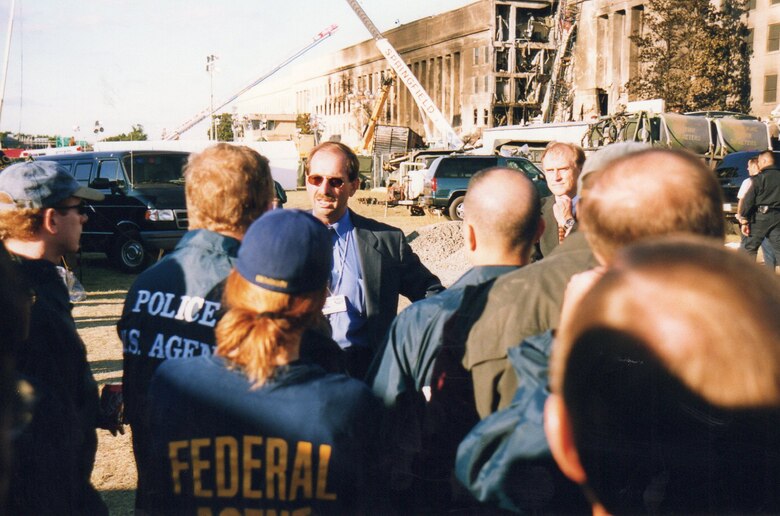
502,217
650,193
666,383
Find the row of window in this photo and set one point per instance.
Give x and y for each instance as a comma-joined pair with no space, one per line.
752,3
770,88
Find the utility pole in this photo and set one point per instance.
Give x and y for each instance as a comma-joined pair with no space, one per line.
210,65
7,54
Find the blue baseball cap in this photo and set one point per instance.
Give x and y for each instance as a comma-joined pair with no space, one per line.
286,251
40,184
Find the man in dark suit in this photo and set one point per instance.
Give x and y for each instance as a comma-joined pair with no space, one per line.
372,262
562,163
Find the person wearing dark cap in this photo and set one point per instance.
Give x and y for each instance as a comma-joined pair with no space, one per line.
256,426
42,212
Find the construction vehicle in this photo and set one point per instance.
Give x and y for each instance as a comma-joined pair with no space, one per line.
201,115
367,142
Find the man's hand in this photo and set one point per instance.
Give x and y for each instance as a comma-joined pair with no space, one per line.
744,227
562,209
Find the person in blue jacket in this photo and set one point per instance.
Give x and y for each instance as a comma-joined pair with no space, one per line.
172,308
255,426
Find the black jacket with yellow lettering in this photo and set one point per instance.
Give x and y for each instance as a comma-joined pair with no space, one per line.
304,442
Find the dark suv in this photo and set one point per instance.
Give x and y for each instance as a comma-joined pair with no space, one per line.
448,177
144,209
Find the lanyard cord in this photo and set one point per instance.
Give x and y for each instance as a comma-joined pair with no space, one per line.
343,257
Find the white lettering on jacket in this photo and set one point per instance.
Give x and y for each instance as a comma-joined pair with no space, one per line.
181,308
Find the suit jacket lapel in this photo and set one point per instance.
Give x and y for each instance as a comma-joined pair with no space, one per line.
370,262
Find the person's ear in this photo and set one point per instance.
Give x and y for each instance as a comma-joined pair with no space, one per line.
469,236
50,222
355,186
557,428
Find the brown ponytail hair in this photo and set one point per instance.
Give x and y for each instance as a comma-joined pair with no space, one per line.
261,327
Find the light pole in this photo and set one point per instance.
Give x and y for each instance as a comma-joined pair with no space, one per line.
98,129
210,66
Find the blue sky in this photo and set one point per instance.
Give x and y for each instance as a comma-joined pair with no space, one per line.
143,61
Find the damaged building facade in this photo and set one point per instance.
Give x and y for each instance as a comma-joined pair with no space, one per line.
493,63
486,64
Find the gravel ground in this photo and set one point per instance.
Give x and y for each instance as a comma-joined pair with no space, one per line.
440,248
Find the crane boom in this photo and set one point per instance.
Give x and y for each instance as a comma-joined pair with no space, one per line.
368,136
206,112
420,96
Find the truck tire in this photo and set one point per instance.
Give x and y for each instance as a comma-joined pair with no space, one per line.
128,254
456,208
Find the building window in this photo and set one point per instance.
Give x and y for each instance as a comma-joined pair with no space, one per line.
487,84
773,41
476,84
749,39
485,117
476,116
770,88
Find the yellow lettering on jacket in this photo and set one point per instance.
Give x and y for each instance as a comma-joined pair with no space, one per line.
227,466
275,467
251,464
322,475
198,467
301,473
177,466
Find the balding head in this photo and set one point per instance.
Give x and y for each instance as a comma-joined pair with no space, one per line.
766,159
650,193
502,212
650,387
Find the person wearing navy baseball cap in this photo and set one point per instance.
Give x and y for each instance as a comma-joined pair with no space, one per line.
277,423
42,213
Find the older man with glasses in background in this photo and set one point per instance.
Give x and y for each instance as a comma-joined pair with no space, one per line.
372,262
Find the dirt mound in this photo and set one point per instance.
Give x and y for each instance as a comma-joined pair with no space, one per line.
440,247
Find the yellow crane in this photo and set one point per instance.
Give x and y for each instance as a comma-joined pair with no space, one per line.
367,143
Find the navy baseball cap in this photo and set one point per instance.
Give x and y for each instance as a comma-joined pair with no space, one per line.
40,184
286,251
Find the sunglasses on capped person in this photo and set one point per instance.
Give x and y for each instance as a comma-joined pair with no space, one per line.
334,182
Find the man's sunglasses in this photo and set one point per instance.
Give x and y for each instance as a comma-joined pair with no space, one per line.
334,182
83,209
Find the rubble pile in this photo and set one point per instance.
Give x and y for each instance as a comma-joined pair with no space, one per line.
440,248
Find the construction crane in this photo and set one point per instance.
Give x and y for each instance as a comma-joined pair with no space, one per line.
189,124
366,143
420,96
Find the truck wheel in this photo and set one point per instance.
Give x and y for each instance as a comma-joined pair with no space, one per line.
456,208
128,254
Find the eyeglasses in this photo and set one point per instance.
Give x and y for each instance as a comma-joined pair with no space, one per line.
82,208
334,182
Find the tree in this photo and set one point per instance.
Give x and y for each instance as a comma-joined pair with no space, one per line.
136,134
224,122
302,123
694,56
